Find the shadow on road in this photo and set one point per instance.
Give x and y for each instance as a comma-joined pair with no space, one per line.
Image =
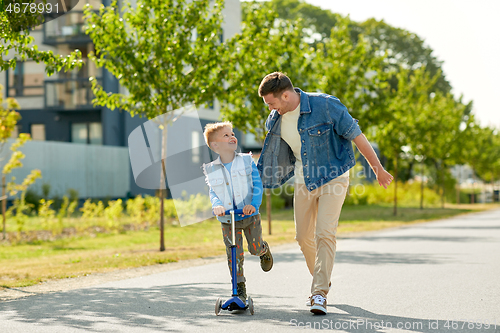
190,307
373,258
356,319
428,238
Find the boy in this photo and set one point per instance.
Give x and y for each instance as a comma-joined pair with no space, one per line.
235,183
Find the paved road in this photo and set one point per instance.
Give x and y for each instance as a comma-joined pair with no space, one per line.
434,277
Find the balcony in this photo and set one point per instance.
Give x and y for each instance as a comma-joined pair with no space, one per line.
67,29
72,94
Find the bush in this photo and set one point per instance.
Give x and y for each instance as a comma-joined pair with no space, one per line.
113,213
408,195
277,201
33,201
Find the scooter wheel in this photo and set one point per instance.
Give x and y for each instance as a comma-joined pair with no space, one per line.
250,305
218,306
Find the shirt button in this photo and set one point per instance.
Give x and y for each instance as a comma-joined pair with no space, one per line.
227,183
304,153
319,132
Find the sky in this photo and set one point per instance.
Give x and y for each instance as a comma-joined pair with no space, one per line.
464,34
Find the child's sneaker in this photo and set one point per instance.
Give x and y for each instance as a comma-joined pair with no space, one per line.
318,304
266,260
242,291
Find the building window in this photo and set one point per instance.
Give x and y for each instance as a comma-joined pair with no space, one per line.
26,79
15,132
86,133
95,133
38,132
195,147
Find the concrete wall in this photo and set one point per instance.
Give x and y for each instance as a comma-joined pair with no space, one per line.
94,171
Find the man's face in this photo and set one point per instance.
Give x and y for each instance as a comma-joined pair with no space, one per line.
280,103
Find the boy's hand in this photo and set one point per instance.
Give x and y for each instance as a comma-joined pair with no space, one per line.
248,210
219,211
384,178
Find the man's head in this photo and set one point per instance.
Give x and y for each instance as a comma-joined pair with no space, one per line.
277,91
220,136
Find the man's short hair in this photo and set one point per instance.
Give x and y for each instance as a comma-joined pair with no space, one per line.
275,83
212,129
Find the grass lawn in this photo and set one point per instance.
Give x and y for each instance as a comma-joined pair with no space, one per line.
31,263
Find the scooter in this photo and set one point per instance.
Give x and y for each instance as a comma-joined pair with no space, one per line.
234,303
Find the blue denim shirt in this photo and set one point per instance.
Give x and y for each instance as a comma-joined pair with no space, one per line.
326,130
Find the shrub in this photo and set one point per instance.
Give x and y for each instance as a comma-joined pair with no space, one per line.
47,215
277,201
408,195
113,213
135,209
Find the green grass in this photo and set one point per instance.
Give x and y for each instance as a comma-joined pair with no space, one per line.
30,263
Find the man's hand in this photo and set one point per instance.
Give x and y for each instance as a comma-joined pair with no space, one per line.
384,178
248,210
219,211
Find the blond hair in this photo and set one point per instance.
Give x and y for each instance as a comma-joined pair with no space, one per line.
212,129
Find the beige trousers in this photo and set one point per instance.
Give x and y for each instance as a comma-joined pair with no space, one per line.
316,220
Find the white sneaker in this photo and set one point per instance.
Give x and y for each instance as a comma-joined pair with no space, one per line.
318,304
308,302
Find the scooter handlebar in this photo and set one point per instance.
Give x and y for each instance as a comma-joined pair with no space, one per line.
236,211
228,212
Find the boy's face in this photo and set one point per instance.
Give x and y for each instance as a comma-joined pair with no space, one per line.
224,140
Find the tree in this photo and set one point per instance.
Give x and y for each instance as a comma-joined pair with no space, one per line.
8,120
447,146
404,49
14,40
266,44
396,133
317,22
352,73
166,54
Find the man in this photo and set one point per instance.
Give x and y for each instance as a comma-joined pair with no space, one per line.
309,137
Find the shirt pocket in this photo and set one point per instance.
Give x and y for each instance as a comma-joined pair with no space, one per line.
214,182
320,135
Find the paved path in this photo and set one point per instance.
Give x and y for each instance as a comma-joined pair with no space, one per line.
442,276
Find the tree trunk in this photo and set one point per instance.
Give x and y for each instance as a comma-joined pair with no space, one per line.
4,208
396,186
459,173
410,169
163,186
473,189
422,185
162,222
443,185
268,208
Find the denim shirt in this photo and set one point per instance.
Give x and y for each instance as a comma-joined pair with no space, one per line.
236,189
326,130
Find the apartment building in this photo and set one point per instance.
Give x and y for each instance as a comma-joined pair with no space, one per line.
59,108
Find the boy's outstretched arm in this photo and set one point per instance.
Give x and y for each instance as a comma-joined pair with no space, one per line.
384,178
